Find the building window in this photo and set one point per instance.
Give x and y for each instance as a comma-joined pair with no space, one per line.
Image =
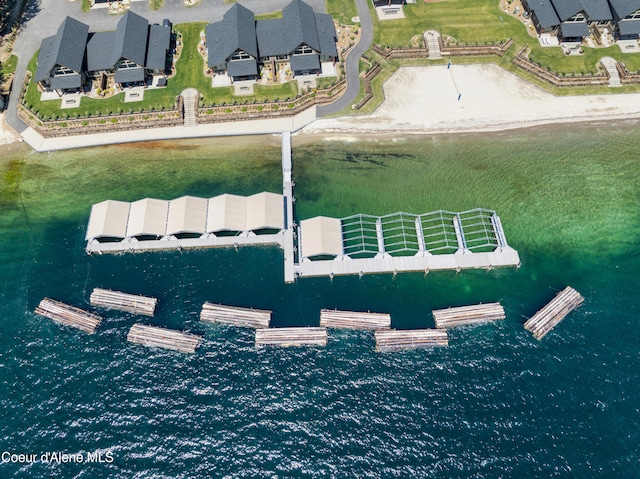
577,18
633,16
126,64
282,57
240,55
59,71
303,49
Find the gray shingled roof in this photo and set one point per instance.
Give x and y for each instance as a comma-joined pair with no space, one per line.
159,43
236,31
63,82
304,62
567,8
127,75
544,12
300,26
597,10
271,36
241,68
629,27
574,29
65,48
100,51
131,38
622,8
326,34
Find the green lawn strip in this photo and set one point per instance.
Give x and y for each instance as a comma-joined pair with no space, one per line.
156,4
342,10
9,66
269,16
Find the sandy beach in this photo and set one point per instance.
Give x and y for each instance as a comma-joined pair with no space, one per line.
419,100
470,98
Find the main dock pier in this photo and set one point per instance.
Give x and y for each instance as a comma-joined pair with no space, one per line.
356,245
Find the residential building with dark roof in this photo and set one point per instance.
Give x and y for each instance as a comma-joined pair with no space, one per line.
61,61
238,46
132,54
573,20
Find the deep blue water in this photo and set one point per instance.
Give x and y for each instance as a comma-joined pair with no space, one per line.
495,403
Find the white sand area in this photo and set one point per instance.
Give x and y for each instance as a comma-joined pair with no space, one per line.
7,134
425,100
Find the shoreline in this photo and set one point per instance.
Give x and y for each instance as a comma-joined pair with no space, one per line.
463,99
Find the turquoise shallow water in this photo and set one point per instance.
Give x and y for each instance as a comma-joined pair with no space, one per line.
495,403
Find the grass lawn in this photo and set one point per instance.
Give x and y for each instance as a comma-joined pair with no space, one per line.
189,74
482,21
8,67
342,10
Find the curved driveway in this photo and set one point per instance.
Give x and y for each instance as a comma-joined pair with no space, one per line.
352,65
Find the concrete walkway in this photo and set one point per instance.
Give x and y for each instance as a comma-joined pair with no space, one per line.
190,100
431,40
353,63
234,128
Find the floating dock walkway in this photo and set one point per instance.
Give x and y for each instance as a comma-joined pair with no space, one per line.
68,315
291,337
548,317
464,315
332,318
235,316
397,340
130,303
154,336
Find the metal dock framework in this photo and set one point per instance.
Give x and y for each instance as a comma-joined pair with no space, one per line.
235,316
555,311
154,336
396,340
332,318
130,303
68,315
291,337
464,315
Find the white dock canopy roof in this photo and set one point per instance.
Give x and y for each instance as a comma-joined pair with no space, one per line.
148,217
227,213
321,236
187,214
265,210
108,219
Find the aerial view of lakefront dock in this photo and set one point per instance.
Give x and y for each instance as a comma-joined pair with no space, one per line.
319,238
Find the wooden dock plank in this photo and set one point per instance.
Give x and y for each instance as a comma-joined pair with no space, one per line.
68,315
333,318
130,303
291,337
465,315
555,311
396,340
155,336
235,316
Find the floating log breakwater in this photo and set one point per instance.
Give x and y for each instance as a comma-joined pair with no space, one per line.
332,318
474,314
235,316
130,303
548,317
396,340
291,337
68,315
163,338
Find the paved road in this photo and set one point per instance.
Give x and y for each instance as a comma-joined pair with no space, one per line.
43,17
353,63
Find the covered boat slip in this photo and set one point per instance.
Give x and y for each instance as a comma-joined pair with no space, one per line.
186,222
439,240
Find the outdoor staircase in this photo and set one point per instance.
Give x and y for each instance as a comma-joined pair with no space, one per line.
431,40
614,76
190,99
